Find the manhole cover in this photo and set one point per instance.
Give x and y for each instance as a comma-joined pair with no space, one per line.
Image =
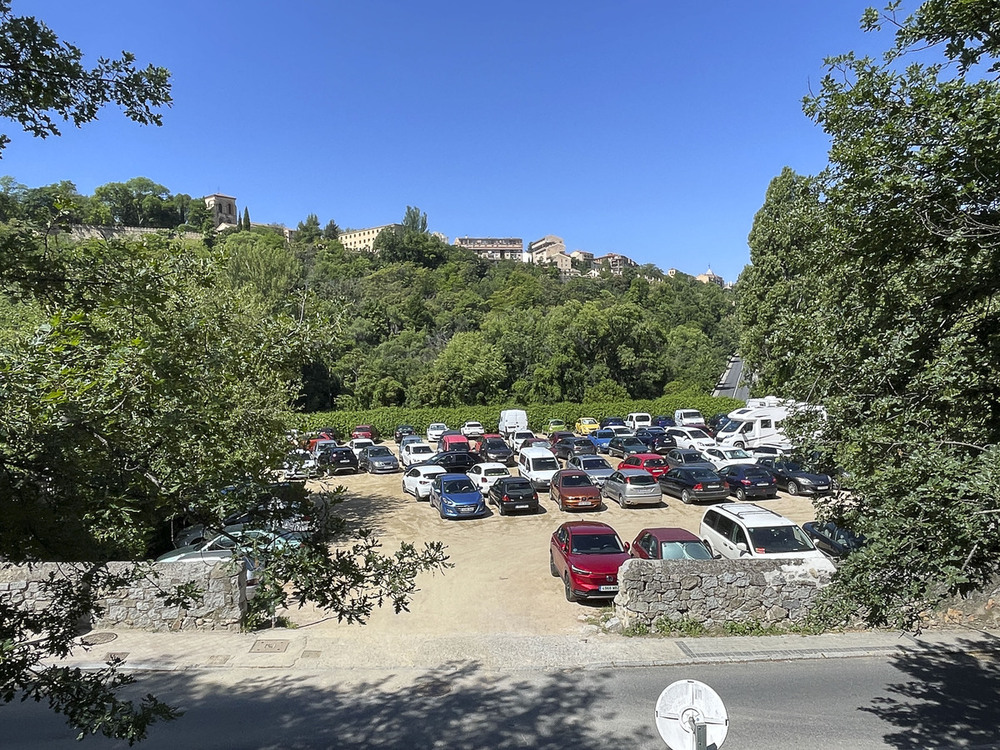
95,639
269,647
431,686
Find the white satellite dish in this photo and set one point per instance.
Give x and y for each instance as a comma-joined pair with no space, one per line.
691,716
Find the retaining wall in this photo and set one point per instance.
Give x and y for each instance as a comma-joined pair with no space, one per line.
716,591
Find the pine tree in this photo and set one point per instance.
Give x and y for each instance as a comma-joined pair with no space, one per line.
246,218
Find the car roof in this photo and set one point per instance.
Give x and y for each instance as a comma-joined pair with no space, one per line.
491,465
669,534
455,475
430,469
628,472
646,456
571,472
532,451
751,514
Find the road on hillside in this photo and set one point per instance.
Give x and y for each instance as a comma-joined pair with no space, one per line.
907,702
730,384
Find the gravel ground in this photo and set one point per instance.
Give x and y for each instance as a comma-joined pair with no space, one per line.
500,582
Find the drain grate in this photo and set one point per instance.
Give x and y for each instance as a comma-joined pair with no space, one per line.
96,639
308,654
272,646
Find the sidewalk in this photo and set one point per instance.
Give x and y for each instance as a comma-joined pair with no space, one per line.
300,649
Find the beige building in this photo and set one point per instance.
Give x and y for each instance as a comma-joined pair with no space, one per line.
615,262
710,278
493,248
223,210
364,239
541,251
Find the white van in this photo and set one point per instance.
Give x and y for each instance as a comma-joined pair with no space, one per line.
685,417
537,465
637,420
511,421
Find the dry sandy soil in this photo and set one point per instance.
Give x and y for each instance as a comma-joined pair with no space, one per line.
500,582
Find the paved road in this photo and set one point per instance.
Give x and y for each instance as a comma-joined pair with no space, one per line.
916,700
730,383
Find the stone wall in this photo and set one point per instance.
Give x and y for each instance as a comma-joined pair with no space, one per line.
141,605
716,591
87,232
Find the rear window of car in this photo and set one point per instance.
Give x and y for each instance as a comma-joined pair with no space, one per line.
704,475
496,472
494,443
594,463
518,484
684,551
654,462
640,479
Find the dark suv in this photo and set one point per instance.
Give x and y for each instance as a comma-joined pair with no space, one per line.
455,461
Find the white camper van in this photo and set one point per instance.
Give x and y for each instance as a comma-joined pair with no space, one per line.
757,424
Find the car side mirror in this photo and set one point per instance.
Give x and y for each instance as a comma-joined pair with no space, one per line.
742,547
627,546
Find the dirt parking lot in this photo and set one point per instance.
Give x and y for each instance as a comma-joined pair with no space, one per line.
501,581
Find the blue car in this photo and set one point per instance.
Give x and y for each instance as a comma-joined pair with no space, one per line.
456,496
601,438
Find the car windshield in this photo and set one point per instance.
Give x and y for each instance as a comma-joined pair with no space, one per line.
603,433
379,452
459,485
640,479
788,466
594,463
698,435
494,443
777,539
541,444
545,464
596,544
684,551
577,480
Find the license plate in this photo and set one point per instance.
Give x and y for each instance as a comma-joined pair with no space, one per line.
466,510
763,484
608,588
822,487
519,507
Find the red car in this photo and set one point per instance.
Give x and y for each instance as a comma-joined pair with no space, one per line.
586,556
654,463
668,544
365,431
572,488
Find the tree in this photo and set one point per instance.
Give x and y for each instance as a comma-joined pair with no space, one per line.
246,218
43,81
414,220
895,252
307,232
331,231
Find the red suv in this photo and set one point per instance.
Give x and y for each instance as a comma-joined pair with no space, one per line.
586,556
365,431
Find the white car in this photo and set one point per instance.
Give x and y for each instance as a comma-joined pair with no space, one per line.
691,437
485,475
359,444
725,456
518,438
298,466
417,479
434,432
747,530
472,430
621,431
235,540
415,453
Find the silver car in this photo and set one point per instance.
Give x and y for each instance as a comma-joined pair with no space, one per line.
632,487
595,467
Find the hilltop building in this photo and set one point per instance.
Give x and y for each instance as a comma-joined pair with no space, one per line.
710,278
223,210
364,239
493,248
615,262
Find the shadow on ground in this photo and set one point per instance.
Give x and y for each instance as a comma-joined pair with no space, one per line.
952,700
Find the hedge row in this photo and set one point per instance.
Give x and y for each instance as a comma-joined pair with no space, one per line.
385,419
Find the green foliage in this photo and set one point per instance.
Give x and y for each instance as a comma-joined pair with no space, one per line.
682,627
873,291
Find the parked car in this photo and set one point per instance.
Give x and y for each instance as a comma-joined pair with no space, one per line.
668,544
749,481
738,530
621,430
511,421
724,456
338,459
537,465
485,474
612,422
625,446
359,444
298,466
691,437
663,444
417,479
555,425
629,487
456,496
513,493
557,435
649,434
517,439
234,540
365,431
687,457
434,431
402,431
494,448
595,467
694,483
573,489
586,556
472,430
836,541
662,420
407,439
454,461
716,422
454,441
651,462
637,420
378,459
585,425
794,480
688,417
415,453
537,442
319,445
601,438
573,446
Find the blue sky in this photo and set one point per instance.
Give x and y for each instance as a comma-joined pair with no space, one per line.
646,128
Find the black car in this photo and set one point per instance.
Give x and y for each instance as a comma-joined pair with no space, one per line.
496,449
573,446
625,446
455,461
612,422
749,480
648,435
402,431
693,483
716,422
794,480
337,459
687,457
513,493
663,444
832,539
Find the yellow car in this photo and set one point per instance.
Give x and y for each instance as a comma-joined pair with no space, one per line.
586,425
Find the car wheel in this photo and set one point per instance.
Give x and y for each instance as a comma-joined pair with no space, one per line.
739,444
793,488
740,494
500,509
570,596
552,566
685,497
